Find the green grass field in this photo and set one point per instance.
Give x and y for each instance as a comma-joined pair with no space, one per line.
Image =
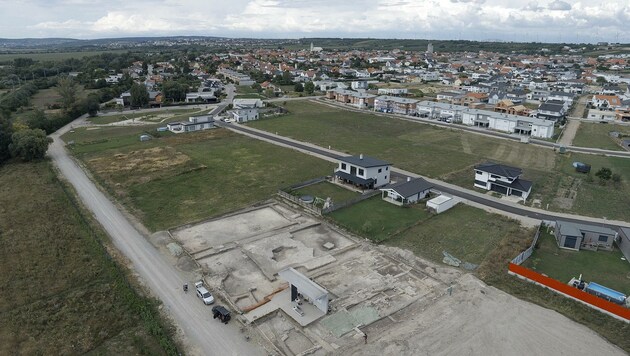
596,135
378,220
450,155
325,190
603,267
61,292
177,179
493,271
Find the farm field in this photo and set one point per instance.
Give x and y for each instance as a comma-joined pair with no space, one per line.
53,56
450,155
61,292
176,179
596,135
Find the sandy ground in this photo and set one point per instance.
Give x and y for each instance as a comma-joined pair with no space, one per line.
479,320
569,132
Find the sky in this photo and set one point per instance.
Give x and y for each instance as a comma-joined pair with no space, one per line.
505,20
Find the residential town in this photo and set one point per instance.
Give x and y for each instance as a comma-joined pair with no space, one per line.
321,199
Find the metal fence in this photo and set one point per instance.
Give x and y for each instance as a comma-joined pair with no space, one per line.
523,256
343,204
297,200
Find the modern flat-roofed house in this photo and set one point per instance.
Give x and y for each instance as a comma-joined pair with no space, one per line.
194,123
502,179
396,105
363,171
574,236
247,103
406,192
245,114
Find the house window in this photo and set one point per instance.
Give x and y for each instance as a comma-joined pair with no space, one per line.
361,171
343,166
385,177
387,168
380,170
494,176
478,172
603,238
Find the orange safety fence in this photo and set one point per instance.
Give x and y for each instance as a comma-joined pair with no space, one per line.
571,291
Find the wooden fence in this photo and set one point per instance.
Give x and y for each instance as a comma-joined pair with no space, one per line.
525,254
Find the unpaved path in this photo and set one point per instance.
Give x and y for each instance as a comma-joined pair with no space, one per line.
569,132
202,334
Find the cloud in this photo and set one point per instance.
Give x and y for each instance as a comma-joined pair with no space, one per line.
437,19
559,5
533,6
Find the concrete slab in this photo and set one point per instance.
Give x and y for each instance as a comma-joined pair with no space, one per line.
283,302
230,229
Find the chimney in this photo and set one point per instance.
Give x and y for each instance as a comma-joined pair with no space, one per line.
408,179
361,156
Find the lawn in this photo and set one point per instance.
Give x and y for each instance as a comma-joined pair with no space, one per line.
377,219
603,267
450,155
177,179
325,190
596,135
493,271
467,233
61,292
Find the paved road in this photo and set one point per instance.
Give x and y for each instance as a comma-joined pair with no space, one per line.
467,194
204,336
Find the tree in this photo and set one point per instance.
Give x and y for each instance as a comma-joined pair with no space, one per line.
139,95
601,80
29,144
309,87
6,130
604,174
67,89
298,88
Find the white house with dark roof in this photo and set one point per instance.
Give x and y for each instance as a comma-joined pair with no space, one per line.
406,192
502,179
362,171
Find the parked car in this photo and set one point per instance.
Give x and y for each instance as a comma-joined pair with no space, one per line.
203,293
219,311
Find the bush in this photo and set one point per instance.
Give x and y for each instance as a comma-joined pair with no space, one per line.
29,144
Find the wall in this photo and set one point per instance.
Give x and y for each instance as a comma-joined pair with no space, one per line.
590,300
382,178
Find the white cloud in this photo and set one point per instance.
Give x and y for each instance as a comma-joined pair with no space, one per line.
559,5
454,19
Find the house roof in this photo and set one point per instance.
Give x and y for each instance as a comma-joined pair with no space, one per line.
551,107
576,229
499,169
364,161
518,184
409,188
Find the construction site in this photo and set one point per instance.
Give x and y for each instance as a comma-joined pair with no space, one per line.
308,287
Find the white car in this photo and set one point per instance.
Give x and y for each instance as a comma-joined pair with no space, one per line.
203,293
229,120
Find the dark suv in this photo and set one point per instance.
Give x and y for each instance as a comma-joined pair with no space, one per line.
222,313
